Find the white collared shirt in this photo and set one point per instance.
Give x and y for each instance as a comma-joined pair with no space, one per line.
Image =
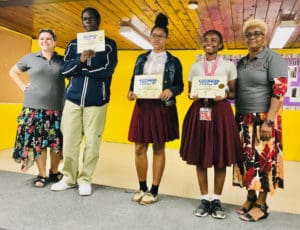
155,63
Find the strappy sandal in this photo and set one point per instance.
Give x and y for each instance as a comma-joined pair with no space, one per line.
243,210
55,177
40,182
249,218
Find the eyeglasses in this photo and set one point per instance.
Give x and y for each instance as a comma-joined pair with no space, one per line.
255,34
157,36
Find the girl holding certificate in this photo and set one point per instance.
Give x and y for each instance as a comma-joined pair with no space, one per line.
209,134
154,120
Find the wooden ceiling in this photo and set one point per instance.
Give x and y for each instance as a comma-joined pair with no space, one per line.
185,25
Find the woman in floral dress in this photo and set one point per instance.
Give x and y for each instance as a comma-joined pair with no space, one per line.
261,85
39,120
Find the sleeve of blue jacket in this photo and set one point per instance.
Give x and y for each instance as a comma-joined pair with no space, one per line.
177,86
72,66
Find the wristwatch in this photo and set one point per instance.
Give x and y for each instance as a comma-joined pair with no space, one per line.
270,123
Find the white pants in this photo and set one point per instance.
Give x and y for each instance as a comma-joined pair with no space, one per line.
78,122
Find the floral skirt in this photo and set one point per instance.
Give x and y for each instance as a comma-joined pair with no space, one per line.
261,167
37,130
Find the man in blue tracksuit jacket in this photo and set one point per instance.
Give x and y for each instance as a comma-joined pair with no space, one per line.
87,97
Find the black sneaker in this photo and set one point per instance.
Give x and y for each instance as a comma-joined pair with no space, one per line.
217,211
203,209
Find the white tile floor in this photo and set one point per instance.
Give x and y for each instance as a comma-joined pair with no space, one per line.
116,168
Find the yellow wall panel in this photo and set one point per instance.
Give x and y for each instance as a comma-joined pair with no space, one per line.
290,139
8,124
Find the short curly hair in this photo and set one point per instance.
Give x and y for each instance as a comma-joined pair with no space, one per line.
255,22
50,31
94,12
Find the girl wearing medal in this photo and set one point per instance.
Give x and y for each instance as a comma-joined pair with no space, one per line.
209,134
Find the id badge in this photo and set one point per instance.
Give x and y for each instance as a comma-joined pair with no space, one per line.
205,114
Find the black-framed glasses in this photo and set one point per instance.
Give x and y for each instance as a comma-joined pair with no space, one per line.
255,34
157,36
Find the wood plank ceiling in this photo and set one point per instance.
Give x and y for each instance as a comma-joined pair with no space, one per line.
185,25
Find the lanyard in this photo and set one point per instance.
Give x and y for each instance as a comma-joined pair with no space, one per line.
213,68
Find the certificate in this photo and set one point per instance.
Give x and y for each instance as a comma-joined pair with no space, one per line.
148,86
94,40
208,86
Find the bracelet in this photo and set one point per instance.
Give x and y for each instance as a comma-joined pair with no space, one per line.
277,96
270,123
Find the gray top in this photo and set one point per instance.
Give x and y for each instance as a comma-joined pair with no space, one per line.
47,87
255,80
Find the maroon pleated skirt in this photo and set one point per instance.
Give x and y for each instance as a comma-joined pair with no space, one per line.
153,122
208,143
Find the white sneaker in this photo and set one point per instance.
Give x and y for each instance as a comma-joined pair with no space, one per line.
148,198
138,196
85,189
61,185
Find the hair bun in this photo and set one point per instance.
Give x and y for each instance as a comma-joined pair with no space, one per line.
161,20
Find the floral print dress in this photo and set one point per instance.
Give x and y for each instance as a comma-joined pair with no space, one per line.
37,130
261,167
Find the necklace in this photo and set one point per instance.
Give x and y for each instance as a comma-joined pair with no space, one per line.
213,68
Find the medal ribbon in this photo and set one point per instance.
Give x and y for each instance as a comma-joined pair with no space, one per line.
213,68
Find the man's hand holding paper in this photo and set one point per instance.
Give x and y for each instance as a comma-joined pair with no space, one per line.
93,40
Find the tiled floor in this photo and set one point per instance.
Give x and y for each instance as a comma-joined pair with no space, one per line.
116,168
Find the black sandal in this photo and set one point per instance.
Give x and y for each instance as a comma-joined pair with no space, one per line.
242,210
55,177
249,218
40,182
